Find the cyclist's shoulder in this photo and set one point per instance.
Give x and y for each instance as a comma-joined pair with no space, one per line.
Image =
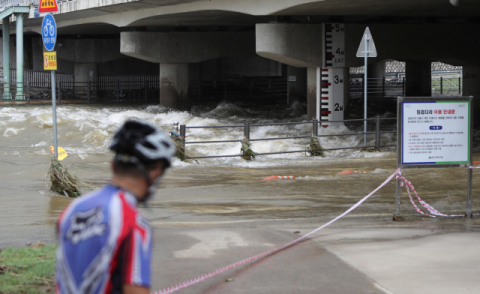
96,199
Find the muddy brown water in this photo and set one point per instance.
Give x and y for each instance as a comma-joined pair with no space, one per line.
224,191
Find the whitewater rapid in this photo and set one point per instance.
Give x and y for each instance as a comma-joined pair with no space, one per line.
84,130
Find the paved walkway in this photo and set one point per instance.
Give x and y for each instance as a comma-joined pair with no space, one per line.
438,257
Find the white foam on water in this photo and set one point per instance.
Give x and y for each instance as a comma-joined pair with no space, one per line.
93,127
11,132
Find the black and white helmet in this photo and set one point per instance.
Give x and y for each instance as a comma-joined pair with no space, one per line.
143,141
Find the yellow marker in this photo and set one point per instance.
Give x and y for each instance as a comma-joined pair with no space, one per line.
50,60
62,154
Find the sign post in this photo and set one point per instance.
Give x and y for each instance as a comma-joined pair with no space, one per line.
49,37
435,132
366,49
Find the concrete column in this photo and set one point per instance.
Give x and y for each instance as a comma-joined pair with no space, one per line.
84,72
6,58
311,93
418,78
174,85
375,75
298,87
376,70
19,32
471,87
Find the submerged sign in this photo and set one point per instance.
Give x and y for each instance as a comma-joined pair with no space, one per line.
435,131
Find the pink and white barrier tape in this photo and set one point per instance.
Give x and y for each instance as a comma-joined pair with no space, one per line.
433,211
219,271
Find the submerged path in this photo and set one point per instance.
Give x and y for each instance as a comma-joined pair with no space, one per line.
207,216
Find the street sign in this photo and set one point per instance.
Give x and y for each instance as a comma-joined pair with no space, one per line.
365,50
367,38
435,132
49,32
47,6
50,60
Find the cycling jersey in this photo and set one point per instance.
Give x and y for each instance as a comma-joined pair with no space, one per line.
104,243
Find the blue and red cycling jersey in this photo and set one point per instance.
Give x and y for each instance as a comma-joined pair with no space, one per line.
104,243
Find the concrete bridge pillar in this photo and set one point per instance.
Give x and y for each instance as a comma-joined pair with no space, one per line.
376,70
418,78
471,87
19,38
375,75
174,85
6,58
85,72
297,83
311,93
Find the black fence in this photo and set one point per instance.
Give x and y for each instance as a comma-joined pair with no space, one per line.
268,90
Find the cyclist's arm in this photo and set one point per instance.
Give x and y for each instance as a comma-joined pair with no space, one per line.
133,289
136,258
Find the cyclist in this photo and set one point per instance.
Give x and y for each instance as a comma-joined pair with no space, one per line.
104,244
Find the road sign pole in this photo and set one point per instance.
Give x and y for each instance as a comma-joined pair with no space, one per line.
366,49
319,88
54,114
367,41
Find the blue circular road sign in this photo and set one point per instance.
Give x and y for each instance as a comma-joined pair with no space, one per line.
49,32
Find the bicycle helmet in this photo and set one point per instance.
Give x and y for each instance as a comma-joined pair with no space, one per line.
141,141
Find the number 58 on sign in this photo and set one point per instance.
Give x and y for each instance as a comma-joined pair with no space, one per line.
50,60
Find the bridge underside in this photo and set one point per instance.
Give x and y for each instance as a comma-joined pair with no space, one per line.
267,48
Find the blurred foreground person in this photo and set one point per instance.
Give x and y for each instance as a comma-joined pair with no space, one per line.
104,244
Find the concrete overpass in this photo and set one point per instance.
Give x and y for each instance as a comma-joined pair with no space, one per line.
183,40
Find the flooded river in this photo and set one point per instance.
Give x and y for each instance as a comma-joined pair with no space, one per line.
215,191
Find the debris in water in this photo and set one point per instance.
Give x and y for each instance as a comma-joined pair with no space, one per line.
247,152
348,172
279,178
179,146
296,232
37,245
371,149
229,280
316,148
62,182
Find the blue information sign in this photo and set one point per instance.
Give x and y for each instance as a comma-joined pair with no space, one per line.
49,32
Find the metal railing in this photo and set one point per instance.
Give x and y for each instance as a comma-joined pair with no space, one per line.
315,133
7,3
384,87
123,92
395,86
444,85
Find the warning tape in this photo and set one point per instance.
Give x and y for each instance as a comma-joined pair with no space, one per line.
233,265
433,211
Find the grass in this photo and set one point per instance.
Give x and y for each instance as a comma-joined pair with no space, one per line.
27,270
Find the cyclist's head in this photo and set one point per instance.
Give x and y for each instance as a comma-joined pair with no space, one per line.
139,148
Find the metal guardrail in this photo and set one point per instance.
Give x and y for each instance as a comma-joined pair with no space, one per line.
315,125
8,3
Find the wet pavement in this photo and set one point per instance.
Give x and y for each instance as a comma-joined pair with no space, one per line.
217,212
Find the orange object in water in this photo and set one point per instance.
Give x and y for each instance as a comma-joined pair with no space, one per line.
279,178
348,171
